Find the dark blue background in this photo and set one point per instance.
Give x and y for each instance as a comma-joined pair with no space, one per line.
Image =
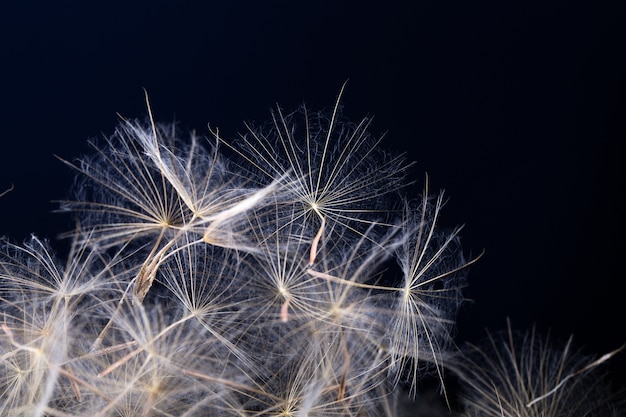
516,108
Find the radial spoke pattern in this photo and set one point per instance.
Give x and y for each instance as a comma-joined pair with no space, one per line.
291,277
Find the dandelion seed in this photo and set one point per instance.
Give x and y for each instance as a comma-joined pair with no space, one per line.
201,285
592,365
524,375
433,268
339,177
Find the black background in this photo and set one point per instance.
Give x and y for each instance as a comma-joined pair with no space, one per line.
516,108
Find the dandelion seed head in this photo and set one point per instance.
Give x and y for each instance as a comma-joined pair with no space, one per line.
200,284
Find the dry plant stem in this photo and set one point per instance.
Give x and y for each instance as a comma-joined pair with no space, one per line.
317,238
146,274
346,366
240,388
112,349
75,386
8,190
284,310
343,281
148,271
120,362
147,408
